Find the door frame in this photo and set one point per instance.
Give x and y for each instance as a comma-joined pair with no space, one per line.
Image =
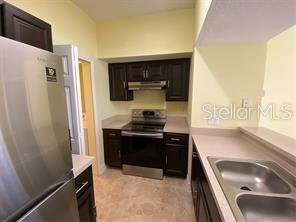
94,101
77,94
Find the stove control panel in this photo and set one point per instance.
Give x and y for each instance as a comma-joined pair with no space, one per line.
149,113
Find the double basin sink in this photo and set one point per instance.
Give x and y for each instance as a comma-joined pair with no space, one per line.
257,190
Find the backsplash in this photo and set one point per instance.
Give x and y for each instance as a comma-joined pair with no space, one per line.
151,100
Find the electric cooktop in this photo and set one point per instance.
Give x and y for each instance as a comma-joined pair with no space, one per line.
143,127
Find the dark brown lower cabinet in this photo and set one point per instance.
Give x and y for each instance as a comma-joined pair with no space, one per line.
112,147
85,196
203,200
176,154
202,209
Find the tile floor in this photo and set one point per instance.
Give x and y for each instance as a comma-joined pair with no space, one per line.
135,199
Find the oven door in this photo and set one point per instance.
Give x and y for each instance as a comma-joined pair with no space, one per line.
143,149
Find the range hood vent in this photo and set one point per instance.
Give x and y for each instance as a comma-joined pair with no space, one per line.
147,85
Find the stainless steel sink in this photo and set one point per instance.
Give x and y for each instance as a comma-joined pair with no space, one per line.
267,208
256,190
252,177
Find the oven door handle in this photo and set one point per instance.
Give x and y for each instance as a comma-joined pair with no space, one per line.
141,134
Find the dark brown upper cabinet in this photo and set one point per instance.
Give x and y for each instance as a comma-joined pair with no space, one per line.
23,27
118,83
177,72
174,71
155,71
146,71
136,71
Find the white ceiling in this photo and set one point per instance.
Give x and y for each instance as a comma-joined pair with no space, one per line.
235,21
111,9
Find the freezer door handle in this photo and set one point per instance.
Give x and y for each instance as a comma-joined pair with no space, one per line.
61,205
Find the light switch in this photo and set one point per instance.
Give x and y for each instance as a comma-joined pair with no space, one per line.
245,103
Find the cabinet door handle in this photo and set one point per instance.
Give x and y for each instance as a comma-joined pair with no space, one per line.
175,139
194,155
124,85
112,134
119,154
168,84
80,188
144,73
166,159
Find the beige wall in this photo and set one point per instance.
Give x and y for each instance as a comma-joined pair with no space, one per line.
280,80
224,74
201,9
271,69
161,33
154,34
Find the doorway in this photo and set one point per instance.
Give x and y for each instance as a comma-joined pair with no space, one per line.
88,111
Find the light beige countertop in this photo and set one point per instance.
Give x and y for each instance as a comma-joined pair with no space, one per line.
231,145
281,143
176,125
81,163
116,122
173,124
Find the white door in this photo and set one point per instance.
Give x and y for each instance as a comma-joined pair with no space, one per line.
69,55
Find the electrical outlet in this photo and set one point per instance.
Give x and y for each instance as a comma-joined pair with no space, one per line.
245,103
213,120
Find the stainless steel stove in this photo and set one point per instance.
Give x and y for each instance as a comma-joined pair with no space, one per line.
142,144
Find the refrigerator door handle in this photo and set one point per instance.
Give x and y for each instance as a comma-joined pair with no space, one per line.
70,139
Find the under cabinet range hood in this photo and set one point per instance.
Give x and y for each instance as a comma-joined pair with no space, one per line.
147,85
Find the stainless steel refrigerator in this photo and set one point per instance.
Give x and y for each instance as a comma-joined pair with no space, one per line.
36,179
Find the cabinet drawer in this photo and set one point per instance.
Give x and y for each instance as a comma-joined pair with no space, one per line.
85,196
112,134
83,181
176,138
87,212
